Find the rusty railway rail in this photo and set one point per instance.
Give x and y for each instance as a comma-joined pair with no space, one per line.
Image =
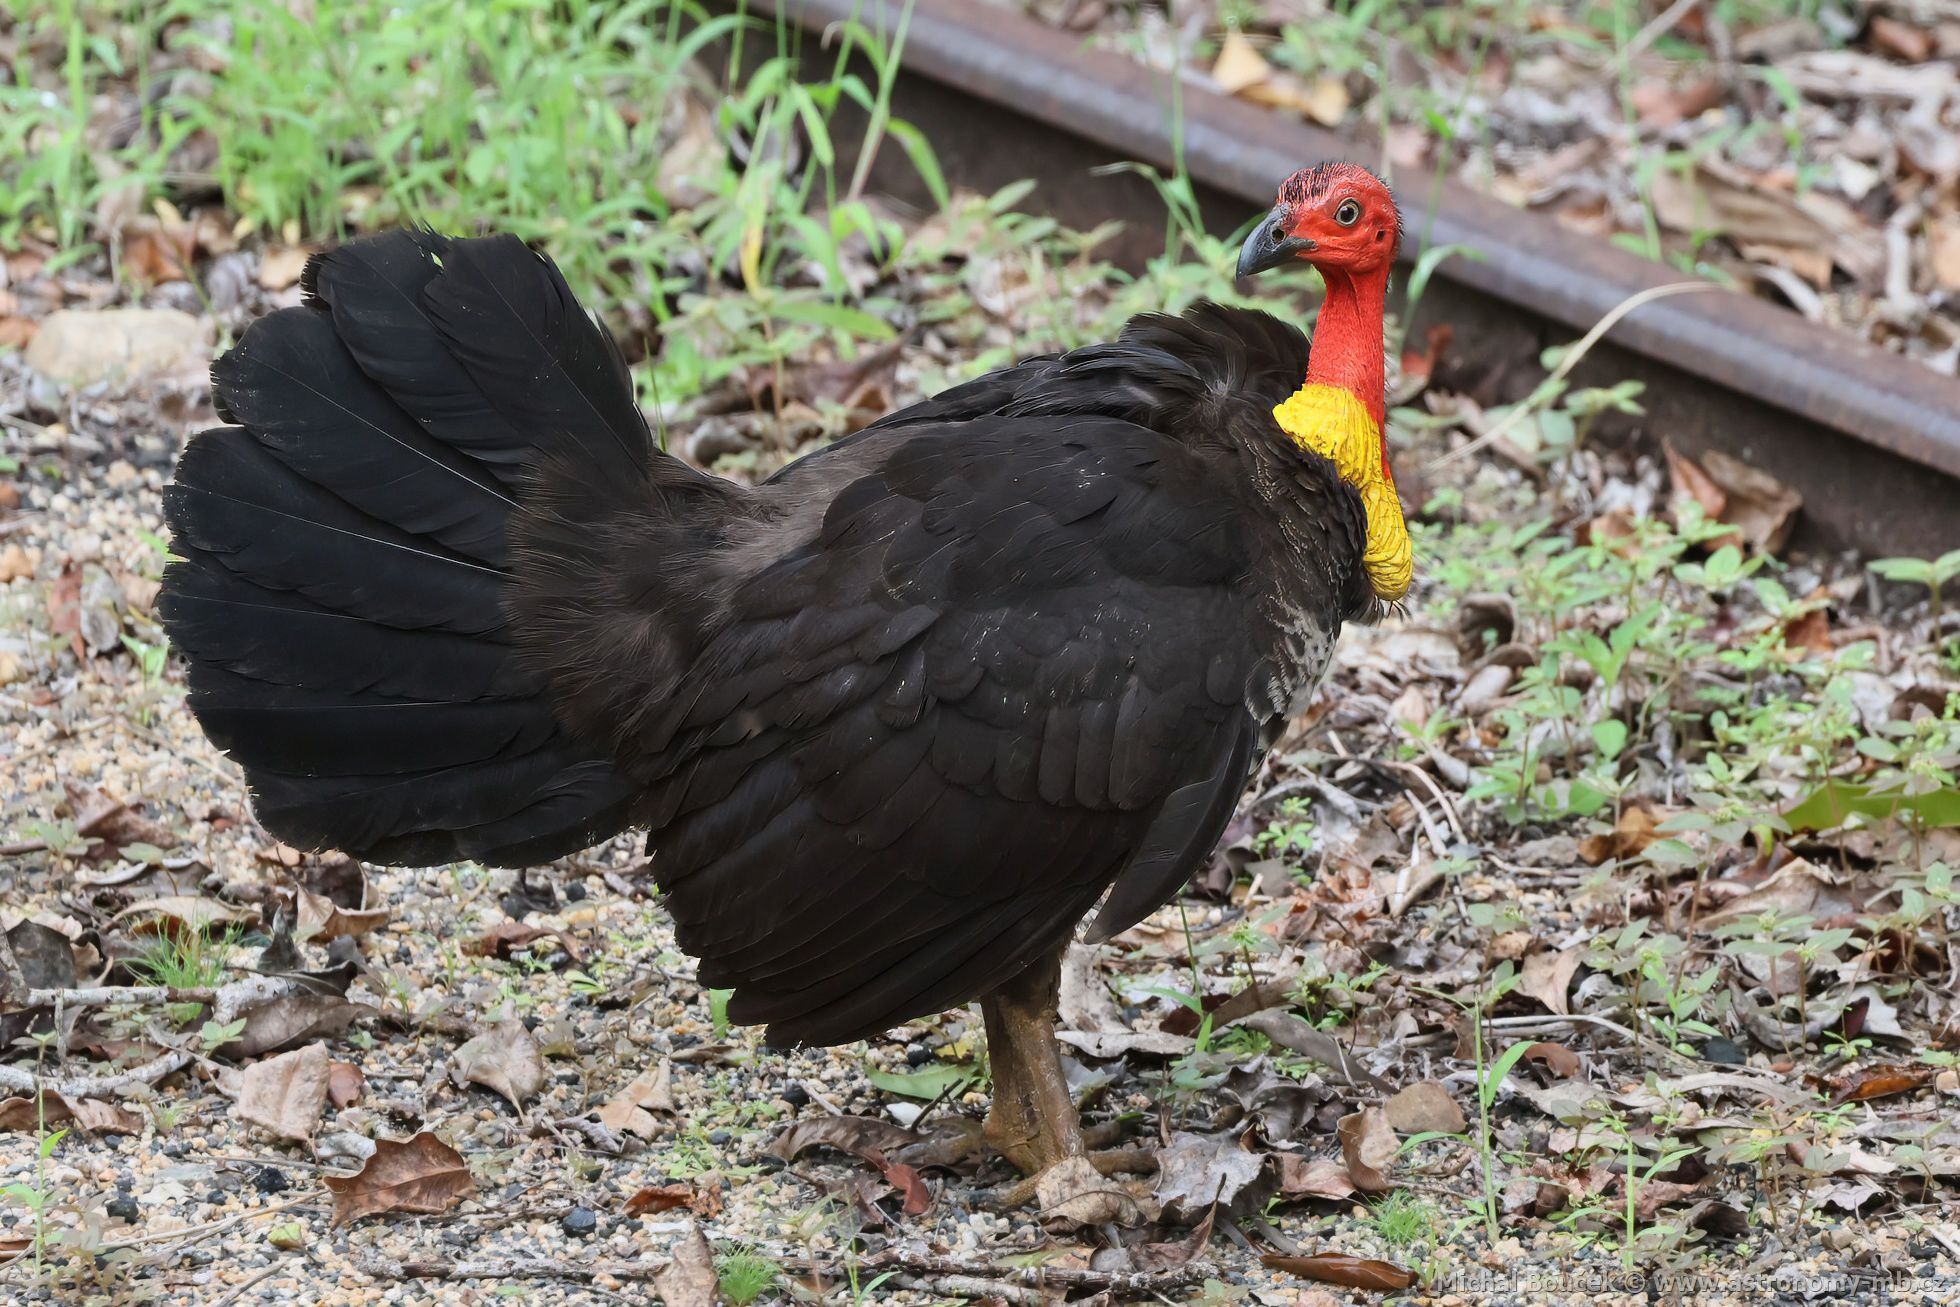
1871,439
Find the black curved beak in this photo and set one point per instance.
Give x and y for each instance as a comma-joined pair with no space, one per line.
1269,246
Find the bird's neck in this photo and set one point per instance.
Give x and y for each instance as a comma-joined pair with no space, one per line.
1339,410
1347,339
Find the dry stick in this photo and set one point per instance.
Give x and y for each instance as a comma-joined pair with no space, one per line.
211,1227
226,1002
113,995
511,1268
1571,361
238,1291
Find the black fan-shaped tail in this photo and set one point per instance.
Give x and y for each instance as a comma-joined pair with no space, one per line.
344,594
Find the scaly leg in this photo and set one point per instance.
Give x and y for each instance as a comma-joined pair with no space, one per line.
1034,1122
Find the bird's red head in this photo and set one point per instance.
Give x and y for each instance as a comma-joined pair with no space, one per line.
1337,216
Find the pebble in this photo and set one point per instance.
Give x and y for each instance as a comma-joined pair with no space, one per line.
579,1222
271,1180
123,1207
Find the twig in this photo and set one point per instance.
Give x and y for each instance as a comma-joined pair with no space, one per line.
507,1268
968,1286
25,846
238,1291
226,1004
113,995
1034,1277
211,1227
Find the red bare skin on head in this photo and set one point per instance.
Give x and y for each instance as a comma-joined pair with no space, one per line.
1351,220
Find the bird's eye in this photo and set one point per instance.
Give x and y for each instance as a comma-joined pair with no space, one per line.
1348,214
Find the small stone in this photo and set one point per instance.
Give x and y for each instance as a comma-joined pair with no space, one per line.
579,1222
719,1136
796,1095
123,1207
575,892
271,1180
917,1054
80,347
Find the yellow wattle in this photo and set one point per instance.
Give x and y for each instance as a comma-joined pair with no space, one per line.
1335,424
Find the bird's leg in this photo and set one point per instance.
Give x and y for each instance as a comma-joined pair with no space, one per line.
1034,1122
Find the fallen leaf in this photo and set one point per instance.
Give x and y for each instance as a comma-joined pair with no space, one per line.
1324,99
1340,1268
291,1020
1629,838
1762,508
1903,41
1313,1177
1072,1193
184,912
500,939
632,1109
321,919
1810,632
1944,238
859,1136
285,1095
1558,1059
1547,977
1239,65
1423,1107
1880,1082
505,1060
1194,1171
703,1200
422,1174
281,265
911,1186
1368,1146
345,1084
689,1280
89,1115
1649,1196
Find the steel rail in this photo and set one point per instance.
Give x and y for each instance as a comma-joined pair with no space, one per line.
1733,341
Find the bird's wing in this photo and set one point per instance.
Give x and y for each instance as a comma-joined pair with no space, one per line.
1007,673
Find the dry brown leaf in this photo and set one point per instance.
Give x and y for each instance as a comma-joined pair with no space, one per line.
689,1280
1325,99
1807,261
1239,65
1728,201
1424,1106
188,912
1313,1177
1368,1146
1903,41
1810,632
1880,1082
1340,1268
632,1109
280,266
422,1174
1558,1059
1195,1171
1629,837
89,1115
291,1020
16,331
500,939
505,1060
859,1136
1762,508
319,918
1792,892
1943,238
285,1095
1073,1193
345,1084
1547,977
702,1199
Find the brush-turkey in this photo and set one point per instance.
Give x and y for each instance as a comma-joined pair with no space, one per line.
895,720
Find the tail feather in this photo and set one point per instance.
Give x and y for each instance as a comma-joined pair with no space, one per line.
302,396
345,587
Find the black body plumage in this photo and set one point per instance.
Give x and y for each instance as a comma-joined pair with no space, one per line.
895,719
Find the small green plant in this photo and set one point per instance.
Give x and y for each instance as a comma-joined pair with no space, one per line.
744,1275
1405,1220
1933,573
185,959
